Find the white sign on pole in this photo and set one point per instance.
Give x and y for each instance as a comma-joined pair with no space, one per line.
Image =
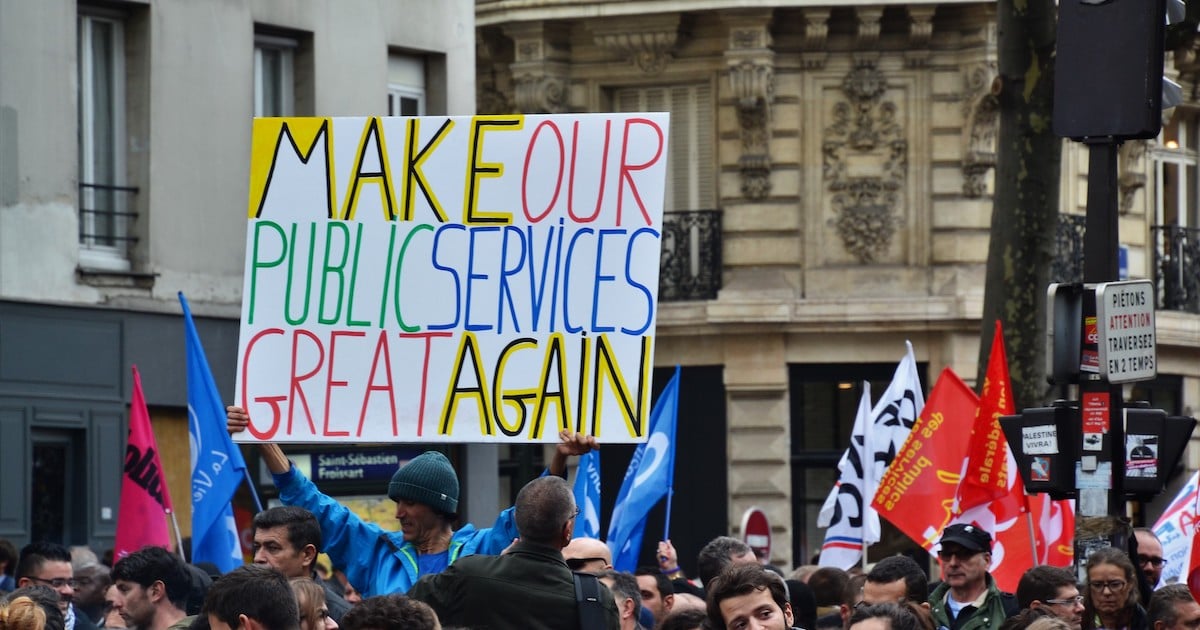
1125,323
451,279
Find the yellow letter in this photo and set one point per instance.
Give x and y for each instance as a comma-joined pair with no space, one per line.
477,170
467,348
382,177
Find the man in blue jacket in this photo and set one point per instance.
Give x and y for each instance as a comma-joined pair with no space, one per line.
425,490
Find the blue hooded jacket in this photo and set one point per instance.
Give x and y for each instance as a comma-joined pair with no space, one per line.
379,562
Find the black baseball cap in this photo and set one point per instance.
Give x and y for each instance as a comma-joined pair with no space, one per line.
969,536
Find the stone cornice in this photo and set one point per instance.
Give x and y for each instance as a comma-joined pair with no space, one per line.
494,12
648,43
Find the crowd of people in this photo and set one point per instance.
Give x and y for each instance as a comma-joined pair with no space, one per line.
528,572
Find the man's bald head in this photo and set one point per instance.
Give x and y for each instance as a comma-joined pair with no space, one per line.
587,555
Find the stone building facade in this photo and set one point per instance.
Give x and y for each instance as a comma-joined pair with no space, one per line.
831,174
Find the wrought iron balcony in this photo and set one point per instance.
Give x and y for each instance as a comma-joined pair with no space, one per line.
1176,275
1067,265
690,268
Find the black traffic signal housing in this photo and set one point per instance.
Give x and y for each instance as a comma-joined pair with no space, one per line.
1108,73
1154,442
1045,444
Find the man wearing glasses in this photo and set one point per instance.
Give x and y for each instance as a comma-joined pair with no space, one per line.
1149,555
968,598
1052,589
49,564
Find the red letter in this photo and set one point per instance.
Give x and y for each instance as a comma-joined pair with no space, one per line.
562,158
270,400
603,174
627,168
427,336
381,347
330,383
294,391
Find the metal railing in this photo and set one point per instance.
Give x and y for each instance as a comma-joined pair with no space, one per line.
105,216
1176,275
690,268
1067,264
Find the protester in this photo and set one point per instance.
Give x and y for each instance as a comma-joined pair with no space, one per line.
719,553
968,598
896,579
527,588
426,494
850,599
891,616
1026,618
658,594
804,605
91,581
1149,555
1173,608
627,596
49,564
690,619
46,598
288,540
22,613
154,585
251,597
8,564
1053,590
349,593
828,585
310,599
1111,599
391,612
588,555
747,595
112,609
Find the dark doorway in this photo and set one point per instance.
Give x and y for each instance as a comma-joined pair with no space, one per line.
699,505
56,498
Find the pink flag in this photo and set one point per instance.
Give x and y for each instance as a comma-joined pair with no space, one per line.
144,498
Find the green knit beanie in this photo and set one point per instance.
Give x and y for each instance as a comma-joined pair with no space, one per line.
428,478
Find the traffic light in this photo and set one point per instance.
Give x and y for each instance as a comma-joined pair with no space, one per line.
1154,442
1108,74
1045,443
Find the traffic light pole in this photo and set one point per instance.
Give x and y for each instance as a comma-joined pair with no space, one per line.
1100,506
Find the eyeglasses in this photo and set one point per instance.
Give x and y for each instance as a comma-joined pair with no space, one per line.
56,582
1112,585
1151,560
576,564
1070,601
961,554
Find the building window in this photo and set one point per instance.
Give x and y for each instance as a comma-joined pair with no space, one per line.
105,201
1175,162
274,75
692,181
406,86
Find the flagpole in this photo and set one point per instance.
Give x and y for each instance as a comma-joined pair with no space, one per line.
671,464
1032,539
178,534
253,493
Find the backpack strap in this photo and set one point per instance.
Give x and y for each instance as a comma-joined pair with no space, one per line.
587,594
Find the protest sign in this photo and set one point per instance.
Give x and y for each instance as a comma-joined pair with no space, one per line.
451,279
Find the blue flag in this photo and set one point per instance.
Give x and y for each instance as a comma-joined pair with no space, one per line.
217,465
587,496
647,480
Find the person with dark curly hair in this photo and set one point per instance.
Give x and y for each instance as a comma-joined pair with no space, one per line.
251,597
391,612
154,585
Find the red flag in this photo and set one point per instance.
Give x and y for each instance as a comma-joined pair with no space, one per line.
144,497
985,477
916,493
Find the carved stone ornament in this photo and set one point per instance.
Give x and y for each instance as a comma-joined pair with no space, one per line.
649,43
1132,171
540,69
752,80
865,162
982,124
816,31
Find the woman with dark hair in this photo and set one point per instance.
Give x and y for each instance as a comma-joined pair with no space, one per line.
1111,598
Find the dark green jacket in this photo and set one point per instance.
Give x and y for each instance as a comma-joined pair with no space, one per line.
528,588
997,606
